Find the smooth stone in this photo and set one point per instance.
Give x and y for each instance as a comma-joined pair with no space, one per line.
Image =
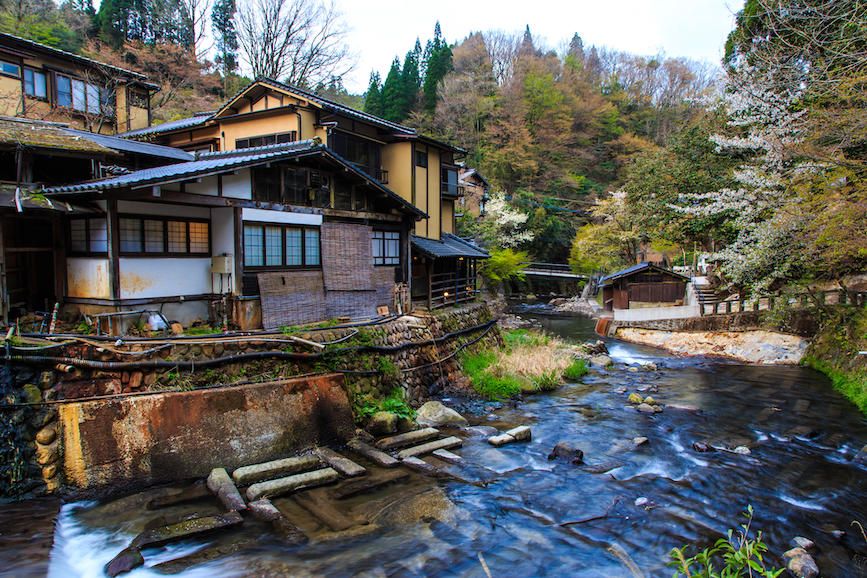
378,457
500,440
521,433
46,435
801,542
435,414
742,450
448,456
278,468
221,484
443,444
646,408
634,398
800,563
683,407
264,510
649,400
703,447
382,423
601,361
127,560
291,484
409,438
344,466
31,394
639,441
567,452
484,431
175,532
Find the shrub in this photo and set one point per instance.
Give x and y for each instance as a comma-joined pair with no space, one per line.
741,557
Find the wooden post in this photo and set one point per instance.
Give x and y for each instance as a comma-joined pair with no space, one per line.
728,307
429,286
112,223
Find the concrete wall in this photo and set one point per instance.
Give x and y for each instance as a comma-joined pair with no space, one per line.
656,313
132,442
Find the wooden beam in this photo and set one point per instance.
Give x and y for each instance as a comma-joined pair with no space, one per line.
112,222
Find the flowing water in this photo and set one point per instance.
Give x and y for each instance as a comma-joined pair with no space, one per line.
518,514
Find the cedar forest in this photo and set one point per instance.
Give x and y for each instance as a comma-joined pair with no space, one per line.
595,156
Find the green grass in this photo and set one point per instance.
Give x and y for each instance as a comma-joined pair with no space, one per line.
576,370
486,383
518,337
548,381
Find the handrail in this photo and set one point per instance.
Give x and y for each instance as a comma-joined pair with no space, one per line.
859,298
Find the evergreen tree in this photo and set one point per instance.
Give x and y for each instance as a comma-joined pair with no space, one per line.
437,64
373,103
410,79
392,94
223,21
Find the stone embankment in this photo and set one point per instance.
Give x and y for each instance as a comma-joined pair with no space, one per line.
747,346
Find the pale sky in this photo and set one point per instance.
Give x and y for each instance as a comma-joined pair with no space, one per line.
383,29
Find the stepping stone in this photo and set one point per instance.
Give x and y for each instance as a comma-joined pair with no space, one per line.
325,512
448,456
197,491
501,440
291,484
350,488
422,466
344,466
166,534
407,439
801,406
765,414
279,468
443,444
265,511
221,484
603,467
520,433
373,454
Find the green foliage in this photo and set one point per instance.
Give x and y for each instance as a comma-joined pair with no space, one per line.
395,402
491,386
390,371
503,265
518,337
547,381
576,370
741,556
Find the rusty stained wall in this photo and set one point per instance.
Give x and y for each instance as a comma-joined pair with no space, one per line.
133,442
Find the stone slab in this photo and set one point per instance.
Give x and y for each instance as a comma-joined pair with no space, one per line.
353,487
222,486
378,457
443,444
521,433
344,466
448,456
328,514
291,484
278,468
183,530
501,440
422,466
407,439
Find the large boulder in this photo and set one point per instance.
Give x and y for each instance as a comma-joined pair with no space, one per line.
567,452
435,414
382,423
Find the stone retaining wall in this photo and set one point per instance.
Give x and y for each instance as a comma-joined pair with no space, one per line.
421,369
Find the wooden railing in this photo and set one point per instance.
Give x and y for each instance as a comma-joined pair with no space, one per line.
839,297
446,289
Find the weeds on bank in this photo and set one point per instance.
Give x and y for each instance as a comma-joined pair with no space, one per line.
395,402
741,556
576,370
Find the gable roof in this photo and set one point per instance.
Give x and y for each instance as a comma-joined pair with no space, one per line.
208,164
641,267
449,246
197,119
23,43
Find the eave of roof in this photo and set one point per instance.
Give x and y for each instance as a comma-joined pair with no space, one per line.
198,119
132,146
449,246
43,135
638,268
140,78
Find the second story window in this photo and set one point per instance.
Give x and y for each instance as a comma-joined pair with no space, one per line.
34,83
421,159
9,69
450,182
266,139
83,96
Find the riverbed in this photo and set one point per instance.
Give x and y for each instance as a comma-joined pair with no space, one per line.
515,513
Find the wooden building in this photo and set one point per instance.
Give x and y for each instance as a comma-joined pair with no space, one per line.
644,285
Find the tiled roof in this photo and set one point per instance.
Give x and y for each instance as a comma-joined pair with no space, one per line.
449,246
197,119
46,135
221,161
637,268
215,162
140,78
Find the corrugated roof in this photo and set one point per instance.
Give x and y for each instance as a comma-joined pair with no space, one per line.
448,246
197,119
141,78
637,268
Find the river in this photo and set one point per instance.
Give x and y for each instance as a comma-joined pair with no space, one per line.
519,514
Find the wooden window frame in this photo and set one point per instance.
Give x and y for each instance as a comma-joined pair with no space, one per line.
312,175
283,228
278,138
17,66
107,105
87,237
165,253
421,159
386,260
34,72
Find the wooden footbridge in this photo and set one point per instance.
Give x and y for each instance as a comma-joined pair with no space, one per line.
551,270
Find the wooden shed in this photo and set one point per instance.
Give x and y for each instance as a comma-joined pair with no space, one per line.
644,285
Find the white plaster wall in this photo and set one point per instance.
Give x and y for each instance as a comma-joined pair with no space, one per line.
162,210
208,186
238,186
147,278
265,216
223,242
656,313
88,277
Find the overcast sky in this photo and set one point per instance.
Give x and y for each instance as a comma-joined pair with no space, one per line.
383,29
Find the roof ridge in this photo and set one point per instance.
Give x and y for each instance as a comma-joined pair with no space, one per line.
288,146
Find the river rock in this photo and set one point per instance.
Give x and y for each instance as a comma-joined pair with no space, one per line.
165,534
567,452
31,394
703,447
742,450
620,390
46,455
222,485
646,408
45,380
128,560
46,435
597,348
435,414
49,471
600,361
800,563
683,407
801,542
634,398
484,431
861,456
649,400
382,423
